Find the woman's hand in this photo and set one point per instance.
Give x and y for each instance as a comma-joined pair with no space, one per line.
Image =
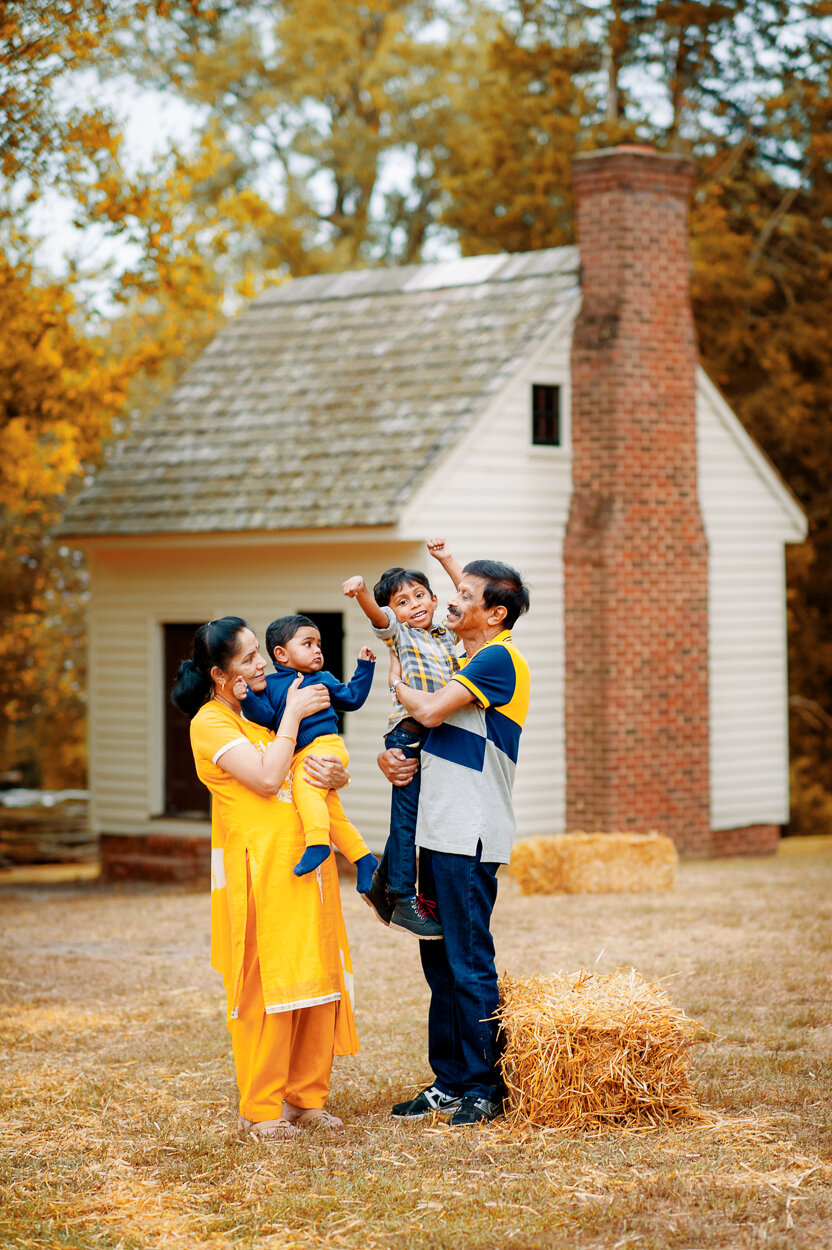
303,702
326,772
397,767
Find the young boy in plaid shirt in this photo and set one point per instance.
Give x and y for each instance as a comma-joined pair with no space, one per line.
401,611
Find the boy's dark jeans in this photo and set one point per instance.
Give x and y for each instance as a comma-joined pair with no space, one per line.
398,863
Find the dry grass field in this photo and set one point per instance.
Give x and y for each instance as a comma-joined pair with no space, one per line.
118,1092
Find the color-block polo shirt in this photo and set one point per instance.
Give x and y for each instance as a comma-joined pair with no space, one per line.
468,762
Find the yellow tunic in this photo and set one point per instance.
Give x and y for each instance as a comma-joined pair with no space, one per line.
301,939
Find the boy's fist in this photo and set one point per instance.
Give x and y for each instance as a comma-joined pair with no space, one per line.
352,586
438,548
239,689
366,654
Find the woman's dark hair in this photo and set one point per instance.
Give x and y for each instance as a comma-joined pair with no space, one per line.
215,644
283,630
392,580
504,588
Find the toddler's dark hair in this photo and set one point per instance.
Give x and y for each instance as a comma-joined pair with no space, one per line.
283,630
392,581
214,645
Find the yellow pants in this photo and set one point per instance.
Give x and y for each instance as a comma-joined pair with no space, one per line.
322,816
287,1054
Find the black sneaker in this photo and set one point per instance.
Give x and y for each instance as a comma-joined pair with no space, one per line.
431,1101
473,1109
414,915
378,898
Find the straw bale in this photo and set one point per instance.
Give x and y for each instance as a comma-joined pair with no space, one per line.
582,1049
595,863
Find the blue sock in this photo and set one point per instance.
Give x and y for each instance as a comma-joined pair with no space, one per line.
365,867
311,859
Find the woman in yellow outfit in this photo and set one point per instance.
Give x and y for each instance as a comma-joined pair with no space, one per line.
278,940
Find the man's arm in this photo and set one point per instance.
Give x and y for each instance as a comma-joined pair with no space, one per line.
440,551
356,588
431,708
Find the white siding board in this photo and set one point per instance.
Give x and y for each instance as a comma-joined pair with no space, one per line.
760,480
748,516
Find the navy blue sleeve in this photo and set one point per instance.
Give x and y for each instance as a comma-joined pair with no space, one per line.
490,676
260,709
353,695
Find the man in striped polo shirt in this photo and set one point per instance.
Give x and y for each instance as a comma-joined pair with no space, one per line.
464,832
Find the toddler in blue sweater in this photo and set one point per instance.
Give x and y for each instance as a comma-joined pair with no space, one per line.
294,644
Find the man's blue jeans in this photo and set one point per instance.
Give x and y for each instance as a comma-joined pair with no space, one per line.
398,862
462,1036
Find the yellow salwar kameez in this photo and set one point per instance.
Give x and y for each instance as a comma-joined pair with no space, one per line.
278,940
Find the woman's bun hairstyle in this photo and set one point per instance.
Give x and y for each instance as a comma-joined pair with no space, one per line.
214,646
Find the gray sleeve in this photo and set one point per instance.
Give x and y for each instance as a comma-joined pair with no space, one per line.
389,631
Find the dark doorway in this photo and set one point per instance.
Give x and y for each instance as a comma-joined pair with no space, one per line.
331,626
185,795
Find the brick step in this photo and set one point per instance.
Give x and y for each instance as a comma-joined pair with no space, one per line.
141,866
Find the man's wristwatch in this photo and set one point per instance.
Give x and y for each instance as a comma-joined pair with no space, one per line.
392,689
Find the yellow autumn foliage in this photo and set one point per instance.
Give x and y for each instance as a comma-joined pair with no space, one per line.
57,394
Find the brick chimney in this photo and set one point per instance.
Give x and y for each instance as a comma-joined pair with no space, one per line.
636,562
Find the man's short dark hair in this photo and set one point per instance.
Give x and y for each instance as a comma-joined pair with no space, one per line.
392,580
504,588
283,630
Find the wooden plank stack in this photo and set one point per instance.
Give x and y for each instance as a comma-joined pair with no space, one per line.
37,834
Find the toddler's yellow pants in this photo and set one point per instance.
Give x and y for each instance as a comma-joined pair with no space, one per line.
322,816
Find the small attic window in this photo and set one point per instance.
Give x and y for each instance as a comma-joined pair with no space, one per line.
546,416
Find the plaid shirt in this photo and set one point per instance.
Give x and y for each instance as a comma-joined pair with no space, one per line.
427,656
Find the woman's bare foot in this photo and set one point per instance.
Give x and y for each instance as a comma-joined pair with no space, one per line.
317,1118
276,1130
310,1117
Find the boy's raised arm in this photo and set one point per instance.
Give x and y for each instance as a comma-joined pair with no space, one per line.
356,588
440,551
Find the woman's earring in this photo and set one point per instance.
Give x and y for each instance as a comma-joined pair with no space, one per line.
222,683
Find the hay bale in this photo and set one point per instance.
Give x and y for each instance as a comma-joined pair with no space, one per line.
595,863
586,1049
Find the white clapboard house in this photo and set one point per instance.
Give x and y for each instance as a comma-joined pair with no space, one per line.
330,428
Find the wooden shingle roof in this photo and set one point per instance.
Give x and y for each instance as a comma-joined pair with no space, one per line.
324,402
